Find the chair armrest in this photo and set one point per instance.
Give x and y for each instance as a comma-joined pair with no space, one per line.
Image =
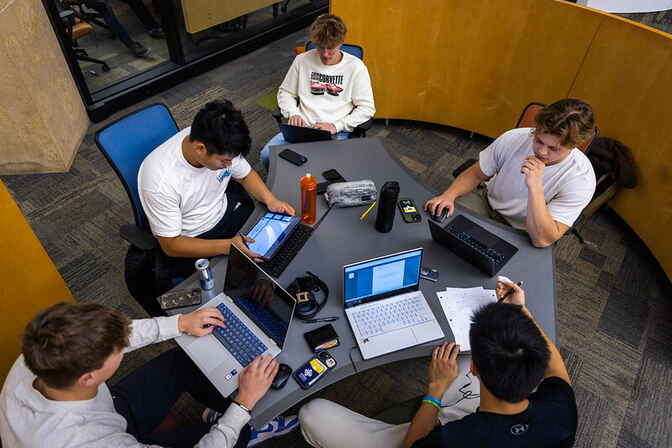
360,130
463,167
138,237
277,114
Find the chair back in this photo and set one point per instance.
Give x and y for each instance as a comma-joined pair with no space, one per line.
526,120
126,142
354,50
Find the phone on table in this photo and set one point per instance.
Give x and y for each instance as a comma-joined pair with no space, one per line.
179,299
408,210
293,157
333,176
309,373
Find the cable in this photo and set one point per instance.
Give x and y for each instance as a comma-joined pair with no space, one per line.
466,394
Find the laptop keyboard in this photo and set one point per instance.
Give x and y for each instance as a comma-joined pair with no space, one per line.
387,317
237,338
269,321
286,253
476,245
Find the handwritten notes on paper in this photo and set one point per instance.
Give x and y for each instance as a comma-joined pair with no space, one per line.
458,305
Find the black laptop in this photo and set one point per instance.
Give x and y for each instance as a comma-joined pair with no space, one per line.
473,243
301,134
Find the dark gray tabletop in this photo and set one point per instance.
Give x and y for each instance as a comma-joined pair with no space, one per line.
342,239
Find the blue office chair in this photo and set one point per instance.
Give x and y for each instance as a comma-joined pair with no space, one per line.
358,52
125,144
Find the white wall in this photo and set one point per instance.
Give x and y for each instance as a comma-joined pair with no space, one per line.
625,6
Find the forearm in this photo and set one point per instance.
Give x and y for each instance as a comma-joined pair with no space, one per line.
541,226
188,247
287,102
253,184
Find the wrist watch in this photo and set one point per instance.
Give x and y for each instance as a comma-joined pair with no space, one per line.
244,408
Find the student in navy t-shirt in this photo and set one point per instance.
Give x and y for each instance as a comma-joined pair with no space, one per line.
511,356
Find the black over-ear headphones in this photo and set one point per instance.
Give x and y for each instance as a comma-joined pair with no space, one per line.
304,289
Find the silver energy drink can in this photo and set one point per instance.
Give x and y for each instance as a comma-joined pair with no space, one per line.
203,267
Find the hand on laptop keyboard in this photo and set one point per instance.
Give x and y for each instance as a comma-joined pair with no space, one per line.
255,379
200,322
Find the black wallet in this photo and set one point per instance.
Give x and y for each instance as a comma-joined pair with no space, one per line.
322,338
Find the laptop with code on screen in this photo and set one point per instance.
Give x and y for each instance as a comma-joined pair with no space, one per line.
384,305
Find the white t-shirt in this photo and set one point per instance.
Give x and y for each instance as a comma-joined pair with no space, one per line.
568,186
340,94
180,199
29,420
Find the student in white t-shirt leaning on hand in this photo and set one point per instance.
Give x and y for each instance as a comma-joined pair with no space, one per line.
538,180
183,188
325,88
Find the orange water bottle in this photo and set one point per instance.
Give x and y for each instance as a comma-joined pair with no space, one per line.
308,199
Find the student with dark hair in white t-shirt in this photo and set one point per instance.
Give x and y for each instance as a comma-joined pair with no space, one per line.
183,188
538,180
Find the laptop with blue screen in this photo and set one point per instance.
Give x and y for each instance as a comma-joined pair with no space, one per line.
257,316
384,305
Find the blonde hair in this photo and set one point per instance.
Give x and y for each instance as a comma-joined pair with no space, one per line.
572,120
328,31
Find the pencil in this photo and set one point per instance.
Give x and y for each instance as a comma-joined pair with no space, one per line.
367,211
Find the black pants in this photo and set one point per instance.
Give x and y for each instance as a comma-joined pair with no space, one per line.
105,10
146,395
239,207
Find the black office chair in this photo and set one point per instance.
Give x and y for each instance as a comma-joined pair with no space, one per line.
357,51
76,28
125,143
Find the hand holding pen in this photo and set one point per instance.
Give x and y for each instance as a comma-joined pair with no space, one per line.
506,288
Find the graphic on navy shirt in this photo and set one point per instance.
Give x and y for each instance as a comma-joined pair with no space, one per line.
320,83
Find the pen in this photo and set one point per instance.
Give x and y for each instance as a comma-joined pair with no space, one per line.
242,237
367,211
510,291
321,319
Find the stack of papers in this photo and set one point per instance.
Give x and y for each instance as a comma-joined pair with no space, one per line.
459,304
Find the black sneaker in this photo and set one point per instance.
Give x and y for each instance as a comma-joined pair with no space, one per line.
139,50
157,32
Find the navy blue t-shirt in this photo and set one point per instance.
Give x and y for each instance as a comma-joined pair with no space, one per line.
549,421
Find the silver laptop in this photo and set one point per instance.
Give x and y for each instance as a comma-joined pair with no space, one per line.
385,308
257,313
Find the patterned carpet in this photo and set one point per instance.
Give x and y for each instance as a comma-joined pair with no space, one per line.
612,298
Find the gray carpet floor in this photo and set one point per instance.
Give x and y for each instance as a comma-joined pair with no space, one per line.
613,299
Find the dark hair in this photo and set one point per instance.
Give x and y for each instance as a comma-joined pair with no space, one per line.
222,129
570,119
508,350
328,31
67,340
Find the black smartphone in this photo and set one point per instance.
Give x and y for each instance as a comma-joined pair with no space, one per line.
293,157
178,299
314,369
409,210
431,274
333,176
322,187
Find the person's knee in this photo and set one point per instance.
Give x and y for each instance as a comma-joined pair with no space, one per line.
312,414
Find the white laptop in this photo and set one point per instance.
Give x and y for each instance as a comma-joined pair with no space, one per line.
257,312
385,308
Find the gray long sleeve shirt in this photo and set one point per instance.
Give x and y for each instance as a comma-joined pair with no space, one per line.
28,419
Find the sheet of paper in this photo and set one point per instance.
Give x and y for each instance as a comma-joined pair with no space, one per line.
458,305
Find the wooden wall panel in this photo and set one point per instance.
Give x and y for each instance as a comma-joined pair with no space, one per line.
469,64
203,14
627,77
28,279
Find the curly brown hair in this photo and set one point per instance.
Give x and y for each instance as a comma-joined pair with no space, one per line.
328,31
67,340
572,120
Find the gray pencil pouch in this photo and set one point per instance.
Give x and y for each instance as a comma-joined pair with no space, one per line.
351,194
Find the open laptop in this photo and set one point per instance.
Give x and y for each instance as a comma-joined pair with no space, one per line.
384,305
473,243
257,313
302,134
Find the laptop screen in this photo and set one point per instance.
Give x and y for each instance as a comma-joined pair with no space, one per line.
382,277
269,233
258,296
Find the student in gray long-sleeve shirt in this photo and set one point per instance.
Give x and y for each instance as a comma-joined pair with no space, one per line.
56,395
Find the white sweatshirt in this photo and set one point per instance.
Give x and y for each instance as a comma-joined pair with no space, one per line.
28,419
340,94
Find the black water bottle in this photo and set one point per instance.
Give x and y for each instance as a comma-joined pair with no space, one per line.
387,204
